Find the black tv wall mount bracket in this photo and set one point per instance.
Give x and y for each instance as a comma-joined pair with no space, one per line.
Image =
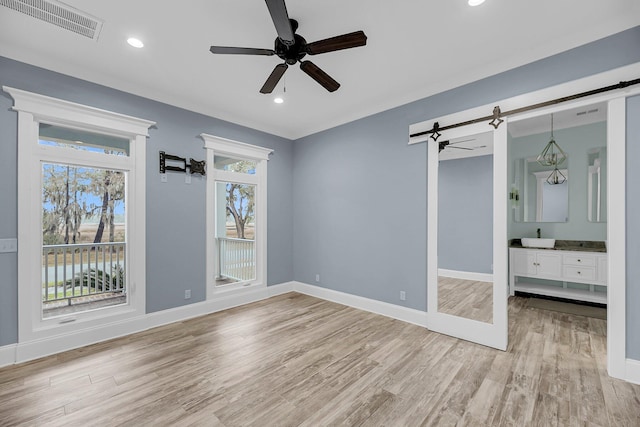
194,166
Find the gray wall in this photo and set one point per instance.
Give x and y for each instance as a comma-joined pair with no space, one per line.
633,227
360,191
575,142
359,217
465,214
175,211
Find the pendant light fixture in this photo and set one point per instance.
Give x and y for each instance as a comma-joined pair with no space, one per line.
552,155
556,177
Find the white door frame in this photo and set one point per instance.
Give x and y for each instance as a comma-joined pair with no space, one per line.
618,365
616,221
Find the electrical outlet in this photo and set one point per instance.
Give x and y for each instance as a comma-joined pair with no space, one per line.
8,245
163,177
317,277
187,294
403,296
187,179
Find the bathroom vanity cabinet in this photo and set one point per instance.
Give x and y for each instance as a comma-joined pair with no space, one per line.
559,266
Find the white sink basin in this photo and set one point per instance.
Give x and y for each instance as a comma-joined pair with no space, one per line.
538,243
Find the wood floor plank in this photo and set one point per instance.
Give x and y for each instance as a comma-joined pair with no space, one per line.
294,360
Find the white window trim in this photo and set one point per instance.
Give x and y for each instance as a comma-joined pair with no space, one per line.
32,110
216,145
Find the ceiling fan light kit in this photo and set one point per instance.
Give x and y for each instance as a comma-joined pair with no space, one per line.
292,48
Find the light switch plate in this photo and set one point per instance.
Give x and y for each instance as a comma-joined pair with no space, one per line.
8,245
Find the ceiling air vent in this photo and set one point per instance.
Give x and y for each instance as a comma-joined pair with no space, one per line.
58,14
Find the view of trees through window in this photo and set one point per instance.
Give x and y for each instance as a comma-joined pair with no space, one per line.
83,235
82,205
236,232
240,203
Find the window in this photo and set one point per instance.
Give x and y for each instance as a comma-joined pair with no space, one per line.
81,209
83,238
236,215
235,232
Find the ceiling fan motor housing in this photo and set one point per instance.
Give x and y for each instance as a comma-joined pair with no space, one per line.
294,52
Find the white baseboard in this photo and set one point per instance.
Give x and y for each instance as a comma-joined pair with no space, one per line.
22,352
632,371
7,354
466,275
398,312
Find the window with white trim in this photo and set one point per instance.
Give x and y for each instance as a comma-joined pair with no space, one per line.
81,210
236,215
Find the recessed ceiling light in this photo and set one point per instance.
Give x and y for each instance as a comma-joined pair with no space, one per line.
278,100
135,42
475,2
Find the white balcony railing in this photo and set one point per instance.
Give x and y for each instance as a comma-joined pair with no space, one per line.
236,259
80,270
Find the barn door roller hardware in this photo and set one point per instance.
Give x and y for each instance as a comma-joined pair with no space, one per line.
495,119
194,166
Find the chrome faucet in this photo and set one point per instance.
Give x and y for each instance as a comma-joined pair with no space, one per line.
538,233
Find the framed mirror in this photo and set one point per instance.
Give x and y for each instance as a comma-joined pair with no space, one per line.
467,245
539,198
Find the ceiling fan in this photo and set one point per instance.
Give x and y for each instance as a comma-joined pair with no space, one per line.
292,47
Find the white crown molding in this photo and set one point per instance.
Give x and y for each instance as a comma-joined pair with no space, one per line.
235,148
44,107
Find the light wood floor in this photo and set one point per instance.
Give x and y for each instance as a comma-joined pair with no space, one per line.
471,299
297,360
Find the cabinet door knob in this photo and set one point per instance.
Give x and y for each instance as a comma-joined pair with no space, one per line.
579,272
579,260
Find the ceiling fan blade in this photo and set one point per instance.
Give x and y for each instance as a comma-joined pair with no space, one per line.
464,140
345,41
274,78
280,17
320,76
240,51
460,148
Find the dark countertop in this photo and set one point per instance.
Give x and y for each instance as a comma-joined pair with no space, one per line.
568,245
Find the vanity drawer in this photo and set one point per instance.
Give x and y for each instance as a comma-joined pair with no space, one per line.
573,259
570,272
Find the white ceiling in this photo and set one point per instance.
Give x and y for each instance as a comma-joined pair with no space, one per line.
415,48
564,119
